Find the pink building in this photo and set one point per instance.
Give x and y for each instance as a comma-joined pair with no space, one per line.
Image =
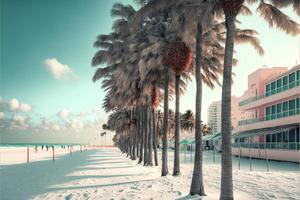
273,98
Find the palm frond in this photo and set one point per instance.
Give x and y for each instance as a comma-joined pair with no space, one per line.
276,18
244,38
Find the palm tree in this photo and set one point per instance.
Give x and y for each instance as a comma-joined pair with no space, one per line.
206,130
152,65
187,121
164,166
148,10
274,17
179,57
209,62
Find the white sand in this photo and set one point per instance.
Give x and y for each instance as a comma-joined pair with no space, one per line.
107,174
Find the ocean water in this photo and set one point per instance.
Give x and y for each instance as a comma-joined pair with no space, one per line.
39,145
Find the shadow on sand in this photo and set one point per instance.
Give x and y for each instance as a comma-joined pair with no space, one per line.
25,181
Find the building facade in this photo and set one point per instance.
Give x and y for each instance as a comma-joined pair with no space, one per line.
214,114
273,132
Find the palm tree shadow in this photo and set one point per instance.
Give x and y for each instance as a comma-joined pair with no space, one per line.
99,168
24,181
190,197
97,186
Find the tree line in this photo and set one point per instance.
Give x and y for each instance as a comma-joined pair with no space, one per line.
150,57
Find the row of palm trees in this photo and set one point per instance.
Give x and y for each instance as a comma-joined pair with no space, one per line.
126,129
150,57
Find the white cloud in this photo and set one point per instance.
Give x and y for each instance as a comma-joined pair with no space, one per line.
14,105
76,124
19,118
2,115
58,70
19,122
68,122
48,126
64,113
25,107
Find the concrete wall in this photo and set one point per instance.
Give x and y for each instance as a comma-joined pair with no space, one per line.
273,154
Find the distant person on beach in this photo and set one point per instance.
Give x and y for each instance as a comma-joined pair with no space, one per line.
42,147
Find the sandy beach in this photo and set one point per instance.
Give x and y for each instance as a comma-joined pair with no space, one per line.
108,174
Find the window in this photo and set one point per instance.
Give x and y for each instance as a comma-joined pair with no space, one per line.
279,110
298,75
298,103
292,104
268,110
279,106
268,138
292,77
274,138
292,107
285,107
268,88
297,135
273,85
285,81
285,136
292,135
279,83
279,137
273,109
268,113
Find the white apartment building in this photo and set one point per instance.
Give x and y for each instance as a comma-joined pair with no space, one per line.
214,114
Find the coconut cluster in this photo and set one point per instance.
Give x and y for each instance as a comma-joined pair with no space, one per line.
233,6
178,56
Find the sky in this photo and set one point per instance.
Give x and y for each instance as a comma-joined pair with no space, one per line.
46,83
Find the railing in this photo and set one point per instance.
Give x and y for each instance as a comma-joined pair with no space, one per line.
269,145
270,93
284,114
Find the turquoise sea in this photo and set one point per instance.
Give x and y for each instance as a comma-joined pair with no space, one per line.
33,145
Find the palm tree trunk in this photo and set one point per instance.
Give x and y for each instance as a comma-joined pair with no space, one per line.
133,145
128,144
164,166
176,168
154,137
137,112
226,174
150,137
141,135
197,180
145,136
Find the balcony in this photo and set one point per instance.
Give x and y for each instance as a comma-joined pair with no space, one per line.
270,117
278,119
271,93
269,145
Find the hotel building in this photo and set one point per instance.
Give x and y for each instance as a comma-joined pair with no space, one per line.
214,114
273,133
